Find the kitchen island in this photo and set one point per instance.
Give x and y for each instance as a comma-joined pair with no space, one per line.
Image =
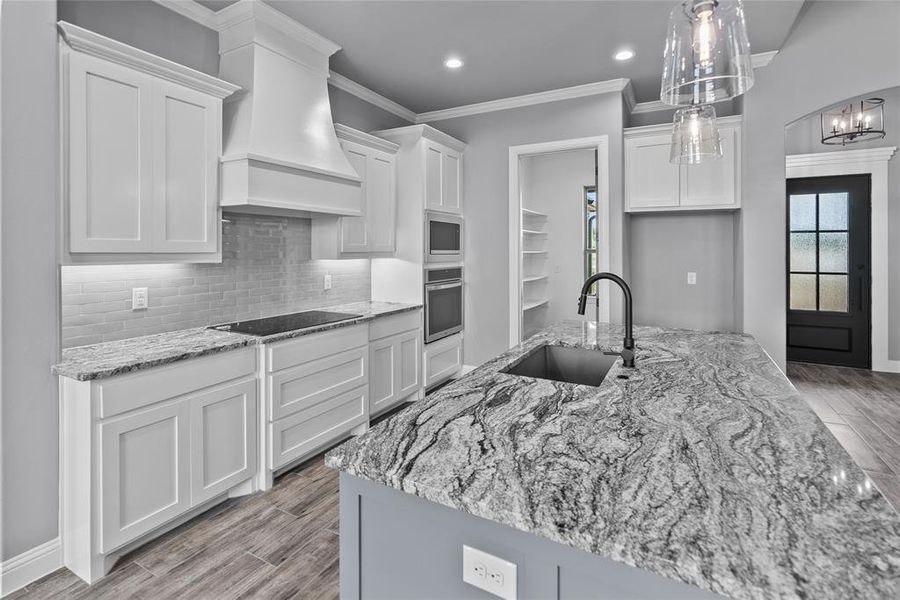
702,473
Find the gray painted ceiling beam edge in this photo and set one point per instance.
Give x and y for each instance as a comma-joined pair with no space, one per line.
215,21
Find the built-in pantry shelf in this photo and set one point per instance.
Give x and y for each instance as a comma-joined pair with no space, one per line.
534,268
530,304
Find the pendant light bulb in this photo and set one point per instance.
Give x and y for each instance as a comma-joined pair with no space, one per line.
704,32
695,136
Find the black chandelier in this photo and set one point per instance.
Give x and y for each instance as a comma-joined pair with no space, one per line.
854,122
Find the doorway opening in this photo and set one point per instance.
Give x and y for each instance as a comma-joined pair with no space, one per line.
559,229
828,238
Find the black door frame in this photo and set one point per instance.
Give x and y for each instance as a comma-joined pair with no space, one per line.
859,277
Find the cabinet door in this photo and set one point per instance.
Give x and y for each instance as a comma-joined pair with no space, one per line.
186,148
651,181
145,472
109,157
383,384
409,363
354,234
451,182
433,160
443,360
223,439
380,202
712,183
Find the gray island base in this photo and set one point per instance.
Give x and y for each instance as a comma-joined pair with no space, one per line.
397,546
701,474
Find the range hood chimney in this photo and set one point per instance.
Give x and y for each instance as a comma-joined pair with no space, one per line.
281,155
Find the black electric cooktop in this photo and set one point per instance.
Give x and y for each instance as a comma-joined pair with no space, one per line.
282,323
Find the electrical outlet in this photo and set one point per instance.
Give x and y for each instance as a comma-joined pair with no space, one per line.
327,281
140,298
692,278
489,573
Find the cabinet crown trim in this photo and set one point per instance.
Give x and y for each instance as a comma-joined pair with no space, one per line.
355,135
414,132
633,132
88,42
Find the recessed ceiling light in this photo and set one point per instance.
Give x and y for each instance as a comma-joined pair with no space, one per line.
624,54
453,63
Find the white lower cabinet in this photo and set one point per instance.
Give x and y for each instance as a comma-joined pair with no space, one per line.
143,450
396,367
145,472
443,360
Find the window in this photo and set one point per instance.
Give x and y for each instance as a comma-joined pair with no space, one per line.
818,252
590,234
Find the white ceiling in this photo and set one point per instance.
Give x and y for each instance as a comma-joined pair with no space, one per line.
397,48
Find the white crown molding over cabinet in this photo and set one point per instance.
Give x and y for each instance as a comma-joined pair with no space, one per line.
140,148
873,161
653,184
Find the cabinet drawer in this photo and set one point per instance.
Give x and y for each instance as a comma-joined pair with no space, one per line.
443,359
307,431
128,392
310,383
290,353
382,327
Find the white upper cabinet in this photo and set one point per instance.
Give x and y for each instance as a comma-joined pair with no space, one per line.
375,231
653,184
443,178
141,148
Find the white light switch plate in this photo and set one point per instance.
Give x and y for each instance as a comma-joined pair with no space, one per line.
327,281
140,298
692,278
489,573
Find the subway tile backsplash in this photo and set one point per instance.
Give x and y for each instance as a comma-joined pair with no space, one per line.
265,270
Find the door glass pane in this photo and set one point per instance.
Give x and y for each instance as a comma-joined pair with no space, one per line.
833,252
833,211
833,292
803,252
803,212
803,292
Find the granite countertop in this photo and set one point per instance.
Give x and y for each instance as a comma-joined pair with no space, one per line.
108,359
705,466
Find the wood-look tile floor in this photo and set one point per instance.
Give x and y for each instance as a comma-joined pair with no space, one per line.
862,410
279,544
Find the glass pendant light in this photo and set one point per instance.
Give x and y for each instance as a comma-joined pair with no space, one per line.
707,54
695,136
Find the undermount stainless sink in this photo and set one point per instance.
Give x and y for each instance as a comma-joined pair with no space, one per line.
561,363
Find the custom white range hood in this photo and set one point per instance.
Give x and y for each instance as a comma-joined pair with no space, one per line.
281,155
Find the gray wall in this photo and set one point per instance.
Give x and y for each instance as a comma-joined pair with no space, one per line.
803,137
349,110
148,26
486,169
28,276
663,249
797,83
265,270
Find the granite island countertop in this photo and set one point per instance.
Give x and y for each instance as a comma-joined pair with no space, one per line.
704,466
98,361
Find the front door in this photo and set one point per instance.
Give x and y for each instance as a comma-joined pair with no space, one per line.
828,256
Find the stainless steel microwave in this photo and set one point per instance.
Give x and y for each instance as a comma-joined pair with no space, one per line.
443,237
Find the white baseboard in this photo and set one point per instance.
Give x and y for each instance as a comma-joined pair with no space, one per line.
886,366
31,565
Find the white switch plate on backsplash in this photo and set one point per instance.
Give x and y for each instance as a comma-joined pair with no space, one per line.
327,281
140,298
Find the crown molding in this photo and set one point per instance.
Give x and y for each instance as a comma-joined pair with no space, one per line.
363,93
245,10
762,59
88,42
628,97
349,134
867,155
414,132
568,93
192,10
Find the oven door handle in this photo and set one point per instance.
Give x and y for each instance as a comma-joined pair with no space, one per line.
430,287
